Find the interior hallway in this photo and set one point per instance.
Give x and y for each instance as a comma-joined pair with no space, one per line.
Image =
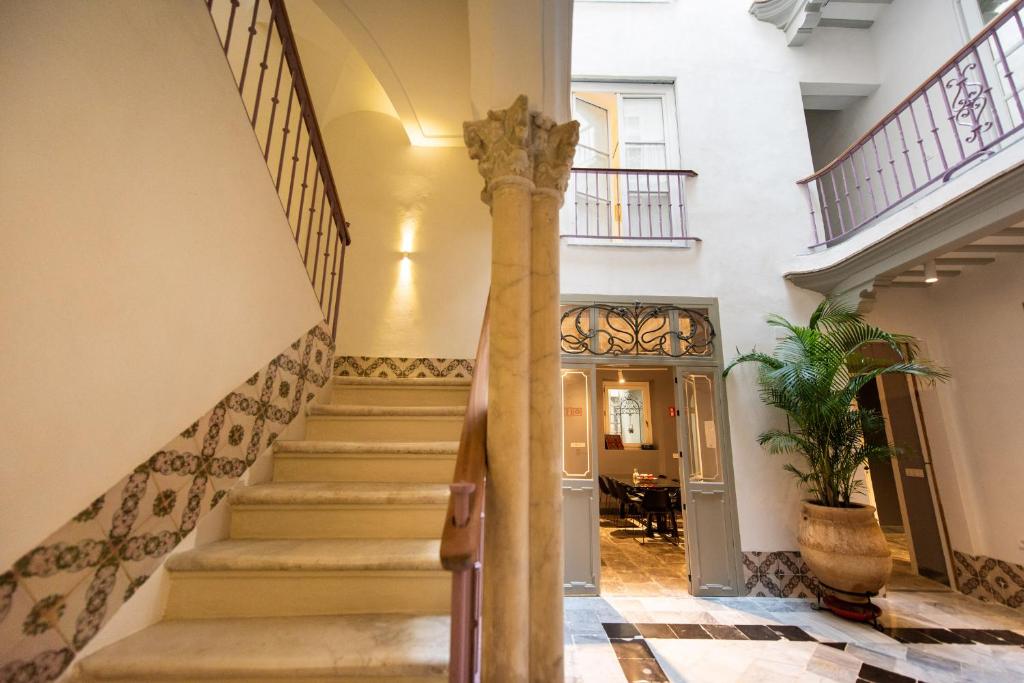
629,567
904,578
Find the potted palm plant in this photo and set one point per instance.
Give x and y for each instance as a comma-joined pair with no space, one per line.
814,375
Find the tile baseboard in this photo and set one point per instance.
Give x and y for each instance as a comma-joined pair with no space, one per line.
391,367
989,579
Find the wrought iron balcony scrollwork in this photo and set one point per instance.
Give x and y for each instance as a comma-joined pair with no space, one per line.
637,330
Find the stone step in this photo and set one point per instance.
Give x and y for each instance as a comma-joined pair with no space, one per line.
346,461
298,510
384,423
427,391
370,647
279,578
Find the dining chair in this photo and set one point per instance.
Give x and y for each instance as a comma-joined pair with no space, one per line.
606,490
656,507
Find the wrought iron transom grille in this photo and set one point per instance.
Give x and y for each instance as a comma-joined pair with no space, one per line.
636,330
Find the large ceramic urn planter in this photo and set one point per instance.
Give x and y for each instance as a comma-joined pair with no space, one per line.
845,548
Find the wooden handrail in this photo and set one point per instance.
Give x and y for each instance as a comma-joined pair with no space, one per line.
462,537
460,540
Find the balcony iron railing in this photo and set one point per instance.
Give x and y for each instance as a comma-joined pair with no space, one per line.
262,53
967,110
628,204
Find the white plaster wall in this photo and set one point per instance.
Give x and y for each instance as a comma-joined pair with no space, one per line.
424,200
908,42
973,324
399,194
741,127
148,266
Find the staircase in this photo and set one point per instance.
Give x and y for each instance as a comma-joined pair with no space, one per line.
332,570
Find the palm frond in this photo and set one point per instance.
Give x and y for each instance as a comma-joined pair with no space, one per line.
814,375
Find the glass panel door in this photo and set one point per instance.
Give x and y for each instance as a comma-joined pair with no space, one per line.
644,146
710,512
580,515
593,192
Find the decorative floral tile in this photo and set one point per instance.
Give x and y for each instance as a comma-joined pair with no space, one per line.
258,414
989,579
41,657
56,597
64,559
15,607
173,466
367,366
90,605
128,504
778,574
146,549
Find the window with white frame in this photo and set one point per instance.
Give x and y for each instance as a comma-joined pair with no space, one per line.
627,409
625,125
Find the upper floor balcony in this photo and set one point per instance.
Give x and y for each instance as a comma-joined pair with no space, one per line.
626,186
948,129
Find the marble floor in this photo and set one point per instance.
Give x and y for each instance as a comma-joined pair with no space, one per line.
628,567
927,636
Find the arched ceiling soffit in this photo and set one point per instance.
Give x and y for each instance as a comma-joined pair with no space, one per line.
339,79
419,54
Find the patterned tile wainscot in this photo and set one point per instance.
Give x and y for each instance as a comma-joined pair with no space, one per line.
59,595
367,366
778,574
989,579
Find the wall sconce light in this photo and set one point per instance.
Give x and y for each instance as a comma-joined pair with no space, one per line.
622,379
931,276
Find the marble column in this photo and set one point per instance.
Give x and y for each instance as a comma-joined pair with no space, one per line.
525,161
553,148
500,143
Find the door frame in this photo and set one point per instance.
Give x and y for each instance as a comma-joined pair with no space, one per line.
713,364
926,457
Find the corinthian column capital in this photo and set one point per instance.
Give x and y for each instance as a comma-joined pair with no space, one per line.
554,146
501,145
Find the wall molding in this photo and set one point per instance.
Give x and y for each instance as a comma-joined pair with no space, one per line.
58,596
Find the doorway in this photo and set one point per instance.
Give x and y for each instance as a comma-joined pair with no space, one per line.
649,504
903,488
642,524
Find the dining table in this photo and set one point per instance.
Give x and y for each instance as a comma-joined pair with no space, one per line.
626,480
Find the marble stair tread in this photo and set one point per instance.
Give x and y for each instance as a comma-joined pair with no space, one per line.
333,554
341,493
364,447
289,648
403,381
342,410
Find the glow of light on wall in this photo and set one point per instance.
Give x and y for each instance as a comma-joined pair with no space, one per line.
402,309
404,273
408,234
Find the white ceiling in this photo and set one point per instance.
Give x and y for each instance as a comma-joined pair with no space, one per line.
413,54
